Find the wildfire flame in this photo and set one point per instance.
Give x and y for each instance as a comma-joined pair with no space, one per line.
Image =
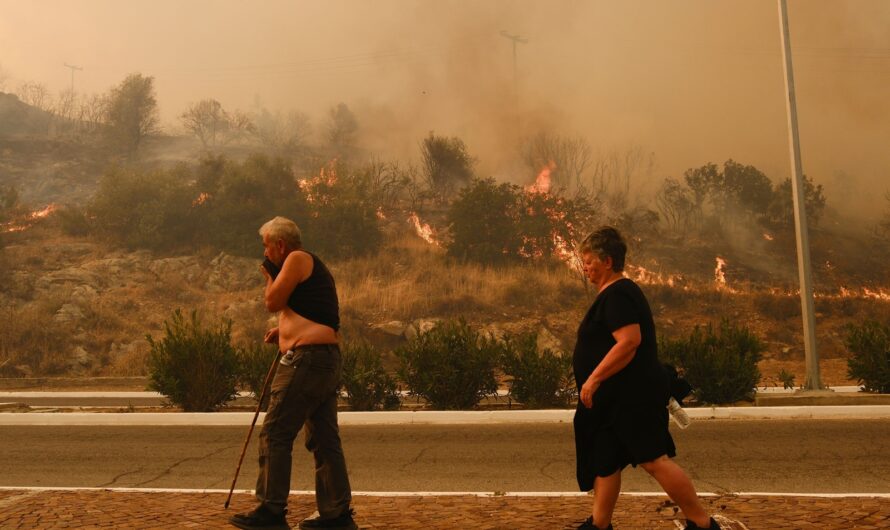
29,219
767,236
202,198
325,178
644,276
423,229
542,181
720,272
380,214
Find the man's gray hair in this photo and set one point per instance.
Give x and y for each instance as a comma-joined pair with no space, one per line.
284,229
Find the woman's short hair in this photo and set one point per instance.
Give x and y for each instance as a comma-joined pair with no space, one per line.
606,242
284,229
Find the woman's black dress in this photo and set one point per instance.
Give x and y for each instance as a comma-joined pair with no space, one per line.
628,422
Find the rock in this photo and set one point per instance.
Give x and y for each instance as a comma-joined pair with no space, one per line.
548,341
492,332
68,313
395,328
230,273
73,276
81,357
186,267
83,295
420,326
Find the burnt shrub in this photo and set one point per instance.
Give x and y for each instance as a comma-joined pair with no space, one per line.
776,306
720,363
72,220
367,385
451,366
538,380
193,366
869,344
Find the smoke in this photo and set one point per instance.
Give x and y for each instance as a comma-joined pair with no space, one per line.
693,81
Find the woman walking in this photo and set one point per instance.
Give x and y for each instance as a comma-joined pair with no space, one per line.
622,416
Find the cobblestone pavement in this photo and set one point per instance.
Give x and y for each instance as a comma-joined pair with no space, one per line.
29,509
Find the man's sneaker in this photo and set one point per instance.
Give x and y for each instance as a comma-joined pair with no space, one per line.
588,525
342,522
712,525
260,519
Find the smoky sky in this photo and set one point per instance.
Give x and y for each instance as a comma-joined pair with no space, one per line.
692,81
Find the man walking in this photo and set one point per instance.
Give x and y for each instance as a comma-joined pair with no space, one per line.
301,289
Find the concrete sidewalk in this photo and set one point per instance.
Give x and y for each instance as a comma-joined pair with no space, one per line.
91,508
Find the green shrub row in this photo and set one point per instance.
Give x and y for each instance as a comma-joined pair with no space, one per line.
453,366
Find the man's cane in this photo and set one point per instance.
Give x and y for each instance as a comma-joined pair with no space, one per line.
250,431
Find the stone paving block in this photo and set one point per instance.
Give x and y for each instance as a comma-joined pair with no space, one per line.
170,510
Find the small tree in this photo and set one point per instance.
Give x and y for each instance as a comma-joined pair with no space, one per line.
195,367
482,222
446,164
132,112
781,209
342,129
539,379
721,364
569,157
367,385
869,364
450,366
207,121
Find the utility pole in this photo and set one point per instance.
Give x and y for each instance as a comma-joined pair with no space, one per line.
73,68
516,39
813,382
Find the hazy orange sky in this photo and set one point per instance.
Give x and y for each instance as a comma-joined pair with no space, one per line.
693,81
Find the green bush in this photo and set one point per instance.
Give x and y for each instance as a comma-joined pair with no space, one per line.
144,209
342,215
539,380
367,385
498,223
721,364
195,367
254,361
869,344
451,366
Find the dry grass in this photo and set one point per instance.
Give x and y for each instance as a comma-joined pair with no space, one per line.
410,279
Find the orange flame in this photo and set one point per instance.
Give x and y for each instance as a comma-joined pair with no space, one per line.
423,229
309,185
202,198
542,181
380,214
30,219
767,236
644,276
720,272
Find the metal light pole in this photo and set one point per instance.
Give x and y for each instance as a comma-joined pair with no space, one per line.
813,382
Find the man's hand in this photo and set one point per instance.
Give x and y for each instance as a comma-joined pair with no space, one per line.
266,273
271,335
588,389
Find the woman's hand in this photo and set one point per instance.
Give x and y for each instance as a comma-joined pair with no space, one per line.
271,335
588,389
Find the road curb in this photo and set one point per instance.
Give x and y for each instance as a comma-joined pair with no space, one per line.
430,417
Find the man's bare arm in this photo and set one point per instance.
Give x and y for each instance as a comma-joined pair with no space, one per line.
296,268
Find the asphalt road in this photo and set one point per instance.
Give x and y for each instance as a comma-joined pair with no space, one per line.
797,456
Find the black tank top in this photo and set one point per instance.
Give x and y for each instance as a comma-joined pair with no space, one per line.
316,297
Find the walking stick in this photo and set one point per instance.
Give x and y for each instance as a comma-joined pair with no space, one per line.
250,431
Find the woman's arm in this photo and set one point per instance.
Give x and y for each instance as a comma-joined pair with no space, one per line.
627,339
